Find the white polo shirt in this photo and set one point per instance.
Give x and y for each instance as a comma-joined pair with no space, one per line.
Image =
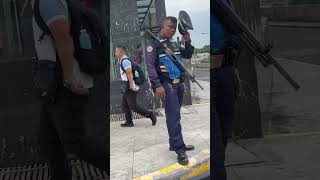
51,10
125,64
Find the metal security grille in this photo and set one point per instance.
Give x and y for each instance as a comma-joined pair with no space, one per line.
271,3
80,171
121,116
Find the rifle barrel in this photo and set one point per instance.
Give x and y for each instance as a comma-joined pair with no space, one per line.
175,60
252,43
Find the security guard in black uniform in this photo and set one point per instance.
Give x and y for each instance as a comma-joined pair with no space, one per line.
167,81
224,55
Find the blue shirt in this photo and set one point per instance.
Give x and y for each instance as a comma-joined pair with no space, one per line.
218,36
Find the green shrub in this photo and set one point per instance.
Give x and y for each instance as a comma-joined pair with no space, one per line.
206,60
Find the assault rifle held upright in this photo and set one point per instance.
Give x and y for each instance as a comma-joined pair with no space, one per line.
234,23
174,59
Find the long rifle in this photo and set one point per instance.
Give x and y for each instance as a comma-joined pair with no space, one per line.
234,23
174,58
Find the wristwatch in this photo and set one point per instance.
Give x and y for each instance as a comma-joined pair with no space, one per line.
67,84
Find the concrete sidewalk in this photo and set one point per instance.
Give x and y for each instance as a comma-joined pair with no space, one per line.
142,152
291,146
276,157
285,110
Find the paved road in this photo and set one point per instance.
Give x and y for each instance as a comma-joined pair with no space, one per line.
202,74
285,110
300,44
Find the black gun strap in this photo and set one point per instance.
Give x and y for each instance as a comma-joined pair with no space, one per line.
39,20
124,71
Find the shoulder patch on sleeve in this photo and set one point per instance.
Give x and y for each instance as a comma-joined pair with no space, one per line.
149,49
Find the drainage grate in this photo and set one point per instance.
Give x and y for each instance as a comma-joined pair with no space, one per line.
121,116
80,171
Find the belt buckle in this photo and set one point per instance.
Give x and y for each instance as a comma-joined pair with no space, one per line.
176,81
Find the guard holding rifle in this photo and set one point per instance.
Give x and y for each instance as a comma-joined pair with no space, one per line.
224,56
167,80
225,23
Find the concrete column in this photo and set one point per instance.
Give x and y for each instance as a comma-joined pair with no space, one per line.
161,10
1,31
247,123
8,22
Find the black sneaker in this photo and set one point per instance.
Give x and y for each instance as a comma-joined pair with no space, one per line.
183,159
153,118
188,148
127,124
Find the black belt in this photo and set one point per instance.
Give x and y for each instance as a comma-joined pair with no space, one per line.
173,81
220,61
176,81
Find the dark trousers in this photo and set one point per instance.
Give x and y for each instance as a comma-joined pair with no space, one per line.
172,105
62,132
129,102
224,111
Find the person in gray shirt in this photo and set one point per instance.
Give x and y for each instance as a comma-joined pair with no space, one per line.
62,134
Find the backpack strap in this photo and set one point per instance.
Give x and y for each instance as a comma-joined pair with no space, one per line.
71,16
41,23
122,66
37,16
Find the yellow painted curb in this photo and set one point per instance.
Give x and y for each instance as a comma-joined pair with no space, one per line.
198,171
205,167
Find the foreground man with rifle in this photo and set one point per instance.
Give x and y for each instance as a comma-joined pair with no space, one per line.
167,80
227,31
233,22
224,57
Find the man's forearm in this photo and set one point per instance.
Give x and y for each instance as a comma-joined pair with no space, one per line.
188,51
151,59
130,78
65,52
64,43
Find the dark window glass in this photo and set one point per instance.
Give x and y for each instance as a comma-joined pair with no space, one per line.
303,2
16,36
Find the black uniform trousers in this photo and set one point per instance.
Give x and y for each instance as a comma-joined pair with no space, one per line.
172,105
62,132
129,102
223,115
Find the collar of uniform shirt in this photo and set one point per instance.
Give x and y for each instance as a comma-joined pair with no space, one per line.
160,38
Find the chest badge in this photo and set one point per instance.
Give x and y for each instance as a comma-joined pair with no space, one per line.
149,49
